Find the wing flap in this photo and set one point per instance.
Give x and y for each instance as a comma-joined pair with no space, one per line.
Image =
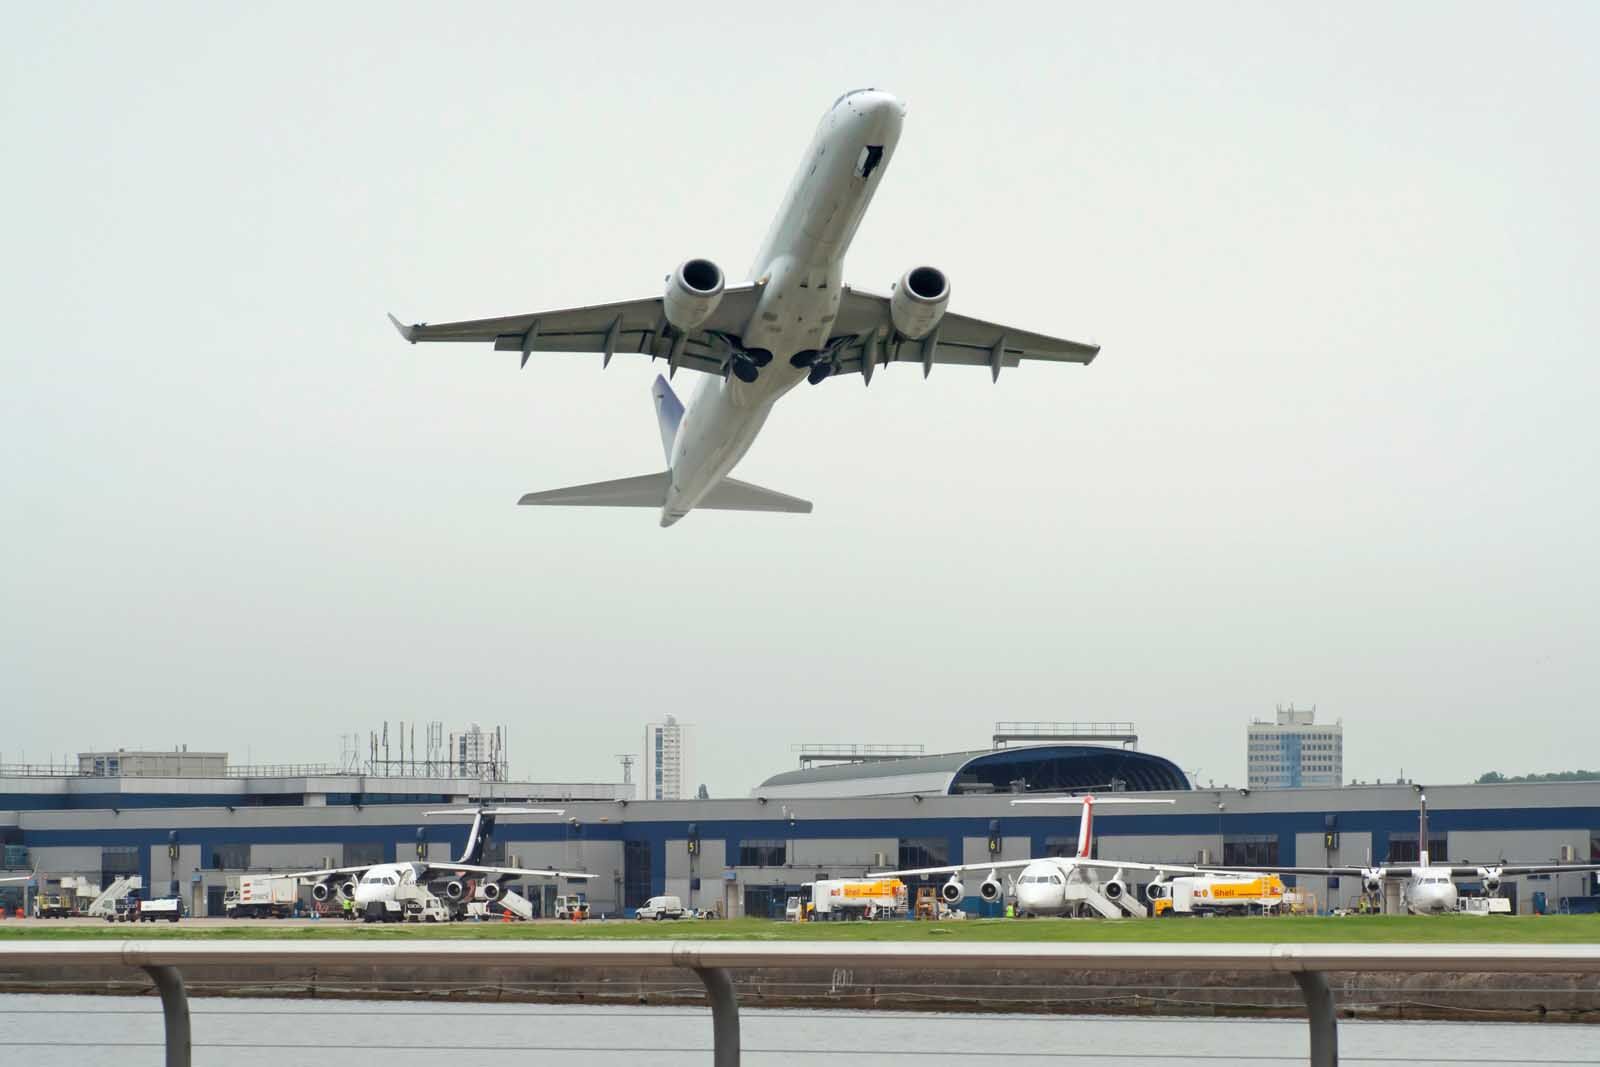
864,322
637,326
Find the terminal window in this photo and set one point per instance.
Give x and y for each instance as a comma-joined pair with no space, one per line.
924,852
363,853
763,853
1403,848
1068,846
1249,850
230,857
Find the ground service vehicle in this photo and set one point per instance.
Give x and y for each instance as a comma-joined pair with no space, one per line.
256,896
574,907
1217,894
847,898
662,908
53,906
168,908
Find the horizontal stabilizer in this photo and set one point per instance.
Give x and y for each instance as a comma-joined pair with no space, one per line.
731,494
644,491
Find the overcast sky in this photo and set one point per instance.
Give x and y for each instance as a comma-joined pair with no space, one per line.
1340,447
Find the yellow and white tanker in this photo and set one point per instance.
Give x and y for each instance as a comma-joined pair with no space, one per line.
1217,894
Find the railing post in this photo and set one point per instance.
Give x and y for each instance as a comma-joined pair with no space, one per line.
724,1015
175,1010
1324,1027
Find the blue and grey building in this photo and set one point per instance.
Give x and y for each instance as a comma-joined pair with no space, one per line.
744,856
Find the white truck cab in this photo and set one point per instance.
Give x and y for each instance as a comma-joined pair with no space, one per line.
661,908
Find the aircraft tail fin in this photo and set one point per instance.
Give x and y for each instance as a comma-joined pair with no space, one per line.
731,494
669,412
643,491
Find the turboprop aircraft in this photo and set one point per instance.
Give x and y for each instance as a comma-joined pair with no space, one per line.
1426,888
1044,885
794,320
376,888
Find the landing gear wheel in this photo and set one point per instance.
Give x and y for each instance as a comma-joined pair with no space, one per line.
806,357
745,371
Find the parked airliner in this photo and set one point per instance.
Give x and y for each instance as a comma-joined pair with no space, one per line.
1427,888
376,888
1042,886
794,320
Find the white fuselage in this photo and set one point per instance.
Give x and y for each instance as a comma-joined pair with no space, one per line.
1429,891
1041,888
800,269
378,884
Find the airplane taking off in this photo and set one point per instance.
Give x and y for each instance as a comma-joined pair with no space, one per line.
1044,885
794,320
376,889
1427,889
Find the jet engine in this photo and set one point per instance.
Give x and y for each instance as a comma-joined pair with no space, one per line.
1157,891
491,891
454,889
347,889
321,891
1113,888
991,890
693,292
952,892
916,303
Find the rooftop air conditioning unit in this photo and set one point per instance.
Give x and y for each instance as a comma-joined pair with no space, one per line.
1568,854
1204,858
878,860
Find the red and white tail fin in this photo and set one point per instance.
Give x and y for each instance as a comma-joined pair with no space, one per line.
1086,823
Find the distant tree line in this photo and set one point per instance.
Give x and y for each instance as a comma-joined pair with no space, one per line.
1554,776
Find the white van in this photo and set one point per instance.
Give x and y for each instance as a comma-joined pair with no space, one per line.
661,908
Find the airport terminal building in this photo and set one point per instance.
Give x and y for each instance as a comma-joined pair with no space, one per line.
189,833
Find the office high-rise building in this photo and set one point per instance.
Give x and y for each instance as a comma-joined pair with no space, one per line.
666,761
1295,751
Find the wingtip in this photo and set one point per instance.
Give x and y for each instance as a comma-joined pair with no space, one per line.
408,332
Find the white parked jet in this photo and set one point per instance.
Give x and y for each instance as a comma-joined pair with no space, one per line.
1042,887
376,889
1426,888
794,320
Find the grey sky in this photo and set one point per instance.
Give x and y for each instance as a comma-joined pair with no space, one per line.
1340,447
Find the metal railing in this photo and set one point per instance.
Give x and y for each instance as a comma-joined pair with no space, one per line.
1122,732
712,962
856,753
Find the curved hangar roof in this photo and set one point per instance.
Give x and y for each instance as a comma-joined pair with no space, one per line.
1045,769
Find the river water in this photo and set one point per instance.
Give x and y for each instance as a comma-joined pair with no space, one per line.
80,1031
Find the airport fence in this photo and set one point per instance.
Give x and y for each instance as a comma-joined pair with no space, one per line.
714,963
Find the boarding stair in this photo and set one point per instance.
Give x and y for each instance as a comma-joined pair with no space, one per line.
106,902
1090,895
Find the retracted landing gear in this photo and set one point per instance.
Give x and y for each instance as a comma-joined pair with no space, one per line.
746,363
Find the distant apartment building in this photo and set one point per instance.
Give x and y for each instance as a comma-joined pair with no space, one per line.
666,759
1295,751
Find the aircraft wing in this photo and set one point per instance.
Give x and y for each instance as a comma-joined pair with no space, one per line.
1130,865
327,872
864,338
1513,870
435,869
1334,872
955,869
632,326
